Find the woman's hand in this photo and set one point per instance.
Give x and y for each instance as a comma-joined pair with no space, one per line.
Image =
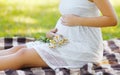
51,33
69,20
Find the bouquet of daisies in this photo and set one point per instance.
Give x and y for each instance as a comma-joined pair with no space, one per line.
57,41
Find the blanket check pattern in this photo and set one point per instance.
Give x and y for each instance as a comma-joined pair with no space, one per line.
110,65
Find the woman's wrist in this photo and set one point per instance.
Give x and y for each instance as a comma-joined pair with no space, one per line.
77,21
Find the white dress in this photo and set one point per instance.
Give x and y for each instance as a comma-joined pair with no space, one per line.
85,43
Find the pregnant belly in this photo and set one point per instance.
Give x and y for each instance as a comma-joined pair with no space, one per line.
71,33
63,30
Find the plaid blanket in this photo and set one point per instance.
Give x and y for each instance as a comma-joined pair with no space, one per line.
110,65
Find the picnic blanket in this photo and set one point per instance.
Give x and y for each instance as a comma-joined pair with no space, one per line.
110,65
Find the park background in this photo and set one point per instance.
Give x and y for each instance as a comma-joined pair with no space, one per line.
33,18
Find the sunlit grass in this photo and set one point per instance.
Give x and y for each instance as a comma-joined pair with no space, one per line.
35,17
27,17
115,2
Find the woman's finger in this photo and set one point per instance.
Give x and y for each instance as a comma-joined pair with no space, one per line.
54,30
63,20
50,35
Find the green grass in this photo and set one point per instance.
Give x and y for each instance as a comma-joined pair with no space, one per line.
32,18
27,17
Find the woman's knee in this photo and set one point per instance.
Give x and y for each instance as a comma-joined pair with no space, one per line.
26,54
16,48
22,52
22,55
30,57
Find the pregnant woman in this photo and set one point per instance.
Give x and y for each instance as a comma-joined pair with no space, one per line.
80,23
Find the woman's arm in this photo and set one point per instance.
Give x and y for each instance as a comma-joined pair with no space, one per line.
108,17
